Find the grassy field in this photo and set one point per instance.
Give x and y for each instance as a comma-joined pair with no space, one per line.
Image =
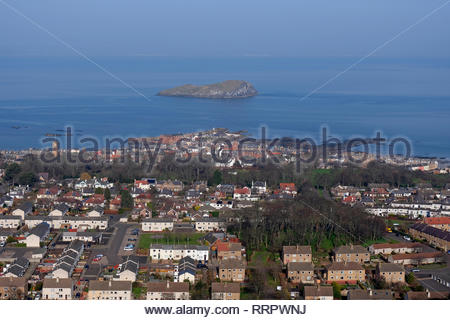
146,239
260,258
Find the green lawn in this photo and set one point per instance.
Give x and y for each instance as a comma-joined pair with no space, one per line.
433,266
259,258
138,291
146,239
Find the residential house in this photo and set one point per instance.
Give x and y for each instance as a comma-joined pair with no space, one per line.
59,211
225,291
244,193
48,193
345,272
426,295
177,252
129,269
116,203
362,294
318,292
17,268
259,187
229,250
12,288
351,253
57,289
417,258
192,194
109,290
187,269
10,222
209,224
174,186
288,188
23,210
97,211
95,237
391,272
69,222
300,272
442,223
68,260
297,254
37,235
390,248
440,238
157,224
232,270
97,200
167,290
142,184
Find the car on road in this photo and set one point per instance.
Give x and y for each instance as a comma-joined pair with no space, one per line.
98,257
415,270
407,238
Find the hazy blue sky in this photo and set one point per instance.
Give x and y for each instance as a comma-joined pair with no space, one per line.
301,28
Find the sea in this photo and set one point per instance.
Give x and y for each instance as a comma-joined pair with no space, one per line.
298,97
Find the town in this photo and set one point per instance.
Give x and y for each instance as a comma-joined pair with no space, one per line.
223,231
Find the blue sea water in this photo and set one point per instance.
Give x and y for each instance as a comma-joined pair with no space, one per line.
399,98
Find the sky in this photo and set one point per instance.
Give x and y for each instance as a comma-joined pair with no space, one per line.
282,28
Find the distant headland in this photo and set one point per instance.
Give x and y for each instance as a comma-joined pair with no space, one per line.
230,89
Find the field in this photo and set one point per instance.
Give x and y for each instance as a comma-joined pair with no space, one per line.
146,239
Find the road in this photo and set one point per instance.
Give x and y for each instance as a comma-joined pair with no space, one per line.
113,251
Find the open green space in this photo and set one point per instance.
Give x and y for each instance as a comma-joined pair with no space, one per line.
147,239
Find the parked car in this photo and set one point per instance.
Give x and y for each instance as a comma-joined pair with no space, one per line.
132,239
129,247
98,258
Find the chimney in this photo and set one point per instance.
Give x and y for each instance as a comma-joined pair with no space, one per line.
110,283
428,293
168,285
370,292
57,280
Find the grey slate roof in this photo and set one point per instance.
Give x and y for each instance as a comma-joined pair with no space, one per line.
27,207
41,230
435,232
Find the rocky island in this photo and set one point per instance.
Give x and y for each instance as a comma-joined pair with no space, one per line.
230,89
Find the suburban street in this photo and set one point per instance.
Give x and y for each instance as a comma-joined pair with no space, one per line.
113,250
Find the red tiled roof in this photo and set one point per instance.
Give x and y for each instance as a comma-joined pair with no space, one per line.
437,220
